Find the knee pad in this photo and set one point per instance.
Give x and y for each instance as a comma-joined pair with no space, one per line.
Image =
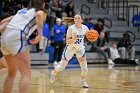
60,68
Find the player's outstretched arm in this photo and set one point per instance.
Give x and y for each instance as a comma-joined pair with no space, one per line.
8,19
71,40
3,26
40,18
4,23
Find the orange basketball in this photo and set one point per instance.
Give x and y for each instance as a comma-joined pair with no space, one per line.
92,35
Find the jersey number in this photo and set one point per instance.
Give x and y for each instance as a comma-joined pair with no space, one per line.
78,41
23,11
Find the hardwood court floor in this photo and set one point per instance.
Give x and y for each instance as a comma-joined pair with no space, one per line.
101,79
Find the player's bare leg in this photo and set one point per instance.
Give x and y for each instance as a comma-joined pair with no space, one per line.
12,71
3,66
84,70
58,68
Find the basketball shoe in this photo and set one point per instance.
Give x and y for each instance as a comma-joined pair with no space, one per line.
110,62
55,63
84,83
52,77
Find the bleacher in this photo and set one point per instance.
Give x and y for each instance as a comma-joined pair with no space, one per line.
120,22
39,58
117,12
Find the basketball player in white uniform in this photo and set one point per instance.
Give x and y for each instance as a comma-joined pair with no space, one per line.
13,43
75,45
3,65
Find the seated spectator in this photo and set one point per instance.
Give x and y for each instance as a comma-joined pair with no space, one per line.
60,9
116,57
125,47
90,24
101,28
70,9
101,47
100,25
53,7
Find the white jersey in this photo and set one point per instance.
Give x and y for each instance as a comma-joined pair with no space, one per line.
18,30
80,33
77,47
24,21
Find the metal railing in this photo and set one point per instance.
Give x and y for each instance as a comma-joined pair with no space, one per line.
122,15
92,1
118,7
109,25
132,13
121,8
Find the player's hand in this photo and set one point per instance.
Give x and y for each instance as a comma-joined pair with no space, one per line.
72,40
35,40
69,41
57,31
3,26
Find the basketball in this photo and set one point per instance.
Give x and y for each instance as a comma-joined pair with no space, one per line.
92,35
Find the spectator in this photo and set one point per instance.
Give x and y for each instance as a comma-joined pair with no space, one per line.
60,9
125,47
1,1
53,6
45,41
18,5
46,33
47,1
90,24
116,57
100,28
101,47
70,9
59,33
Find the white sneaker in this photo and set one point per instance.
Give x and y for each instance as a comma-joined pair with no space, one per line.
110,62
52,77
137,61
55,63
84,83
59,62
